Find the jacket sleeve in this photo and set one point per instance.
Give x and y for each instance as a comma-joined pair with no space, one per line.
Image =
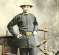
12,23
35,24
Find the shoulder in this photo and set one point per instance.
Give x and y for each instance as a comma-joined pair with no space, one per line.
18,15
32,14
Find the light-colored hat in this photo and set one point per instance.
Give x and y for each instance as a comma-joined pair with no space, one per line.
26,3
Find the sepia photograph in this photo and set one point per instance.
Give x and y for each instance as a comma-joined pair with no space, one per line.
29,27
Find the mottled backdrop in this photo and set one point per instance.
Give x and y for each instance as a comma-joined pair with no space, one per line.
46,11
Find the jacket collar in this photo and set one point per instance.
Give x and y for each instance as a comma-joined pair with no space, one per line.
25,13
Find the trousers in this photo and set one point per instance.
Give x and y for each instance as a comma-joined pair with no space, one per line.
23,51
26,46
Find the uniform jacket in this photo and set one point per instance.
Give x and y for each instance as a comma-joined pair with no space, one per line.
25,22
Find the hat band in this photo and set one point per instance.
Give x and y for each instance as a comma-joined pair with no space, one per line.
26,5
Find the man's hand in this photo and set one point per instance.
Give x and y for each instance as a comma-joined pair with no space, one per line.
19,36
35,32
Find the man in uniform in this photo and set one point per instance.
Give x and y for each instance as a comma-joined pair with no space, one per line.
27,25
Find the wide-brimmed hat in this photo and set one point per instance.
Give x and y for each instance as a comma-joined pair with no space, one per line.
26,3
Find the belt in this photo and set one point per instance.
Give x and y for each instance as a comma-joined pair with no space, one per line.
27,33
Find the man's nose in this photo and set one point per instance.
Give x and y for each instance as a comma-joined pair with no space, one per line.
25,7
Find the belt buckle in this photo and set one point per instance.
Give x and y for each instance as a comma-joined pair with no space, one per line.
28,33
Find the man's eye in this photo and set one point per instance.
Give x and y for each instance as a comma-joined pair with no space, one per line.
24,6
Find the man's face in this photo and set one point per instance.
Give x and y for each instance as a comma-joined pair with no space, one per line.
26,9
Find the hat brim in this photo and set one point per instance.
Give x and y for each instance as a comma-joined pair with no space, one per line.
26,5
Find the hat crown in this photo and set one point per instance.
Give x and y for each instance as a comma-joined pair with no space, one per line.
26,2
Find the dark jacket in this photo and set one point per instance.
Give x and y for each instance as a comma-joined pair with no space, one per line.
25,22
